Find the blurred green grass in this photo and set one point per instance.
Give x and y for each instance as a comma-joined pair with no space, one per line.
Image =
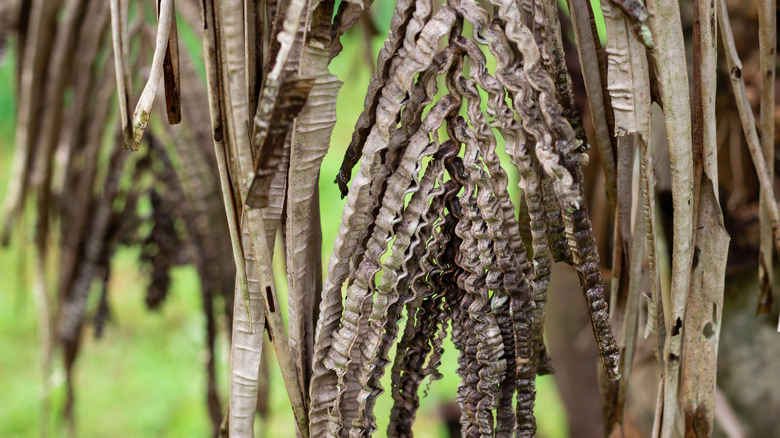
146,376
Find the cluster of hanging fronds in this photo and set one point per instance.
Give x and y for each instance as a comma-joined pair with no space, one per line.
91,197
429,234
432,215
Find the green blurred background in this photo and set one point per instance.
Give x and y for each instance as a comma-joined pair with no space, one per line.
146,376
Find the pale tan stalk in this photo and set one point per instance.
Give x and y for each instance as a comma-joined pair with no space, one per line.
310,142
586,49
767,42
242,424
234,98
275,323
143,108
121,45
246,349
629,91
749,122
703,315
237,115
628,334
705,302
671,70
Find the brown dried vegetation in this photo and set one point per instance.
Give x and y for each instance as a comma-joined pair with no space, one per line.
429,232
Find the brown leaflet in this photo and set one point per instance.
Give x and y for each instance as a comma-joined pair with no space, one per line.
422,94
279,104
228,30
254,39
655,319
503,228
310,140
409,124
401,18
33,64
628,334
621,269
391,291
52,113
347,337
53,105
567,173
171,81
246,348
589,62
483,355
510,255
353,216
83,142
463,331
426,306
486,227
204,216
73,306
559,248
89,42
424,303
52,108
277,191
565,95
70,296
200,176
521,307
348,14
410,121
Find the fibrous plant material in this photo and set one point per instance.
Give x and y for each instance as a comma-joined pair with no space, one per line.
491,344
120,36
748,123
767,46
429,233
33,65
143,108
88,190
590,59
705,300
629,91
670,67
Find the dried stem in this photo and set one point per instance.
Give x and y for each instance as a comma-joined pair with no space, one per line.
143,108
767,47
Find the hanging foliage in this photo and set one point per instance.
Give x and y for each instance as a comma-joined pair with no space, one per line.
430,245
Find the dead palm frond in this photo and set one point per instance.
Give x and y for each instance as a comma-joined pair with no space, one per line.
429,232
